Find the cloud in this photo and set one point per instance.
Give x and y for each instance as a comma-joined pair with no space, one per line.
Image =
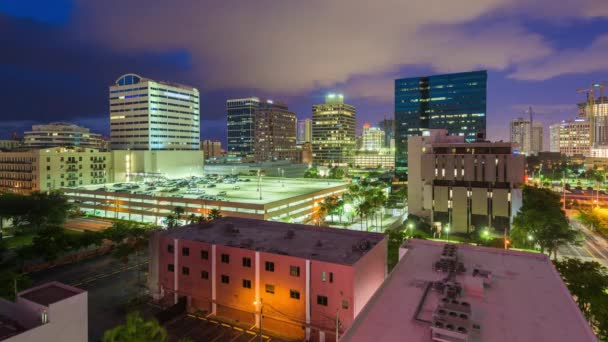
295,46
545,109
572,61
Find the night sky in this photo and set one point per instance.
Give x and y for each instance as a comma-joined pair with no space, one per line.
58,57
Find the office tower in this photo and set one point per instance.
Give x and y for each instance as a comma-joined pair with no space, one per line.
527,135
372,138
59,134
228,266
554,137
275,132
573,137
333,131
464,186
304,131
388,127
261,129
211,148
455,102
153,115
241,126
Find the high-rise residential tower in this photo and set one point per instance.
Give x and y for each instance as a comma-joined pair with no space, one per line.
333,131
554,137
527,135
372,138
261,129
304,131
455,102
275,132
153,115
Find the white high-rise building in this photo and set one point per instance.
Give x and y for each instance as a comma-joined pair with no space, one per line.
554,137
152,115
372,138
528,136
304,131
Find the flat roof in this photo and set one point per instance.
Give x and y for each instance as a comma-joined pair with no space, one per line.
273,189
525,301
50,293
339,246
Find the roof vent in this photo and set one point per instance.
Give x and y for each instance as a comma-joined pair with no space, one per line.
290,234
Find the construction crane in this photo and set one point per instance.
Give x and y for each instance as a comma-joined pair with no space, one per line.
599,86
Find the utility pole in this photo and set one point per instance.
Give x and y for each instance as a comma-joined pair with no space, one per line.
564,188
261,316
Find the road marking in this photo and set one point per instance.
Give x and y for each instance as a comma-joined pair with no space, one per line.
226,325
238,329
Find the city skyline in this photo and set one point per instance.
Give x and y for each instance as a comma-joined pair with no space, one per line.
531,66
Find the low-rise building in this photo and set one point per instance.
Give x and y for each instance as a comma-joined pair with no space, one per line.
444,292
11,144
61,134
211,148
464,186
308,281
53,168
52,311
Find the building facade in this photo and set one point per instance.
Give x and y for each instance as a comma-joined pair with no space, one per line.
275,132
61,134
333,131
456,102
464,186
573,137
241,126
211,148
153,115
388,127
304,131
527,135
53,168
372,138
297,274
554,131
7,145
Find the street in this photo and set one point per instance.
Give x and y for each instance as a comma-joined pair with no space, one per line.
594,247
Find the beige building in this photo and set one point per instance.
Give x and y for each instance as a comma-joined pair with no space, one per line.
49,312
372,138
464,186
152,115
372,160
573,137
129,166
211,148
333,131
527,135
61,134
53,168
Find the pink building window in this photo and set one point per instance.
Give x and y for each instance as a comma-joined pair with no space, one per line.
269,266
322,300
247,262
185,251
170,248
225,279
294,294
246,283
185,270
204,275
269,288
294,271
204,254
225,258
170,268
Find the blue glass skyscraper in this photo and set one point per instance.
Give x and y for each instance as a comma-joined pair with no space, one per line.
456,102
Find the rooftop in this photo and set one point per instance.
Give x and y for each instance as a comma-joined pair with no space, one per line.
513,296
50,293
340,246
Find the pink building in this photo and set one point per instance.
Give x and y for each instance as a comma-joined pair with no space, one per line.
307,279
462,293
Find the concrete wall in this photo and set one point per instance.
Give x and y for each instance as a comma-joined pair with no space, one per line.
370,272
171,164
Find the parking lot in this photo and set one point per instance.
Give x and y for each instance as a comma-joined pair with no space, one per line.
209,330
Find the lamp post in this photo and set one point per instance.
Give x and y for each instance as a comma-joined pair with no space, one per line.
261,303
410,226
447,232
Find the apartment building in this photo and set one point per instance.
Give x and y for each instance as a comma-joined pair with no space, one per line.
464,186
53,168
297,274
333,131
61,134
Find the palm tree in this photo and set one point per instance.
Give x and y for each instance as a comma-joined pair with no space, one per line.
192,219
170,221
214,214
137,329
178,212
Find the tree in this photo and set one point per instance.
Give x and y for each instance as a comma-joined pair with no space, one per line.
178,212
192,219
312,172
588,284
170,221
11,283
35,211
214,214
137,329
541,219
51,242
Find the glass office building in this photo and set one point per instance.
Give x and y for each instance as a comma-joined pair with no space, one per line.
456,102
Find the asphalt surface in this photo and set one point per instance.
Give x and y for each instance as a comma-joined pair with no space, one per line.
109,283
594,247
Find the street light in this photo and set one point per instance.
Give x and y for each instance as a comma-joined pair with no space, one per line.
410,226
447,232
261,303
